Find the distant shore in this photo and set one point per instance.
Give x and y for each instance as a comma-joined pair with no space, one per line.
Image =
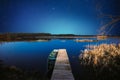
48,36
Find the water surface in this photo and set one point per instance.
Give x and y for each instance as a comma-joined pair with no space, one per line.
33,55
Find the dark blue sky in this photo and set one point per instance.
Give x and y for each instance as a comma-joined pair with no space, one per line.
56,16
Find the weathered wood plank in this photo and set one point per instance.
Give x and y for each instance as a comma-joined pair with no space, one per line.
62,69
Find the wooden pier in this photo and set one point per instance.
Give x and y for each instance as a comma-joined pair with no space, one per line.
62,69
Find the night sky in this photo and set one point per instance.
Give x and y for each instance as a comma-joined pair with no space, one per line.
60,16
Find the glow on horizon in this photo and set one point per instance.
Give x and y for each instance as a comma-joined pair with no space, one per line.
65,26
56,26
56,16
41,19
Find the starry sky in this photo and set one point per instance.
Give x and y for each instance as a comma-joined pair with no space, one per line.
59,16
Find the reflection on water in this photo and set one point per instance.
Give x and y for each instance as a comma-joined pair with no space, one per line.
33,55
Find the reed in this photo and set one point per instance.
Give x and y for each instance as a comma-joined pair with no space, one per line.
103,61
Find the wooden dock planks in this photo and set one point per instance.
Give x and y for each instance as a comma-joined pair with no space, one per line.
62,69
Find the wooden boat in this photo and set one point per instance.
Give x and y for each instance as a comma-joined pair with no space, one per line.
51,62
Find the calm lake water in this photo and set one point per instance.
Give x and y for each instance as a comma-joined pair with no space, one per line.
34,55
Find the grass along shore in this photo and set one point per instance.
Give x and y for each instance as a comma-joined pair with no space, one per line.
101,62
15,73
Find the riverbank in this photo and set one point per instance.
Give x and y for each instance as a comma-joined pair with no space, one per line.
14,73
101,62
48,36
